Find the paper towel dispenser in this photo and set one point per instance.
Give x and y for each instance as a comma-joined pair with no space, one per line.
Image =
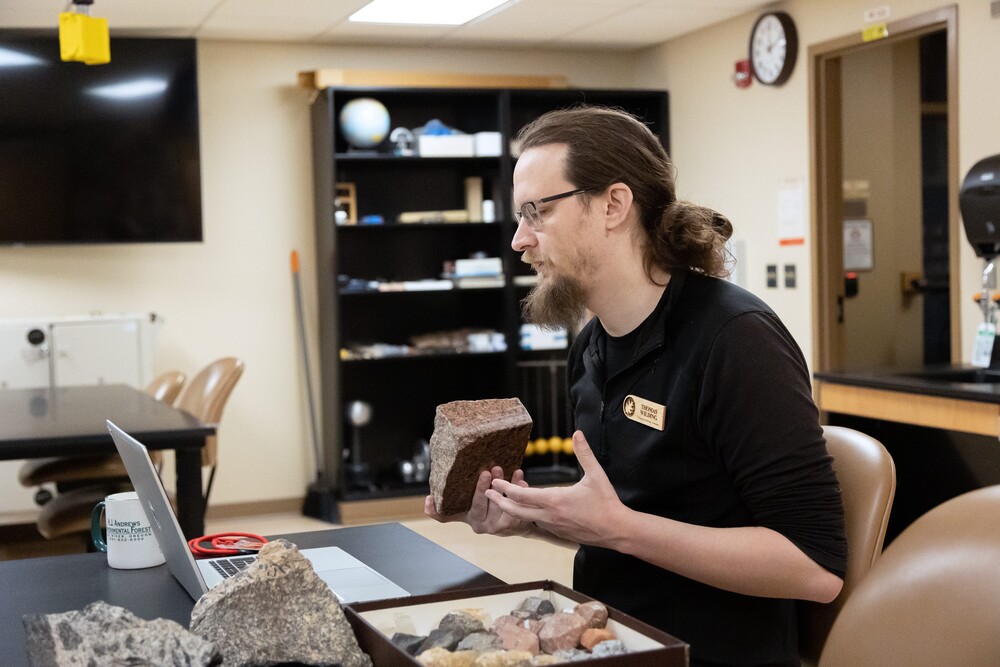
979,200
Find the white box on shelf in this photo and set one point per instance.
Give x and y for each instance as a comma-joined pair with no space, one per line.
446,145
482,266
488,144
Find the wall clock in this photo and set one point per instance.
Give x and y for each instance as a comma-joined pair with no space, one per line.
774,44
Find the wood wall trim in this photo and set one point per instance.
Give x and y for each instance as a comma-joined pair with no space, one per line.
326,78
933,411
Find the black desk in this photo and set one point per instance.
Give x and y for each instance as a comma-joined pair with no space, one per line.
69,421
64,583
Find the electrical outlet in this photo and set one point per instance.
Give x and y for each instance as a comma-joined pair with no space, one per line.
772,275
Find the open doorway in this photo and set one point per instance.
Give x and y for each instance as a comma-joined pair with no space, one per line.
885,199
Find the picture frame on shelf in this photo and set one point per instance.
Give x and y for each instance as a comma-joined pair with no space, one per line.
346,201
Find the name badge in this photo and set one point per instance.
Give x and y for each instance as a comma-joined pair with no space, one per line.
645,412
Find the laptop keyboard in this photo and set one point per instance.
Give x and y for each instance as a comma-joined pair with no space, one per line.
227,567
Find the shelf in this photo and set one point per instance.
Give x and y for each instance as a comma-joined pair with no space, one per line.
398,226
389,157
446,356
404,390
353,294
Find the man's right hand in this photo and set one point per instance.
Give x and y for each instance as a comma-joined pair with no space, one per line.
484,516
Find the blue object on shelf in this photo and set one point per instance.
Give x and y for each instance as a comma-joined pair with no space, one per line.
372,220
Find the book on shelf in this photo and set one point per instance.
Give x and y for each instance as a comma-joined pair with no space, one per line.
478,266
480,282
416,286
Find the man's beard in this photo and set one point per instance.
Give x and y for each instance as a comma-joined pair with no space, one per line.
555,302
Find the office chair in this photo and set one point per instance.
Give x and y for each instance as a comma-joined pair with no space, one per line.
932,599
204,397
73,471
867,478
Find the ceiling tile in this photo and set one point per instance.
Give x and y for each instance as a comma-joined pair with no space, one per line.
641,27
535,20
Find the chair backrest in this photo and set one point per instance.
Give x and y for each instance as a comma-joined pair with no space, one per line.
867,478
167,386
934,596
205,397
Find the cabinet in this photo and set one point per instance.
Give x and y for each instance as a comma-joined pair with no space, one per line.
375,315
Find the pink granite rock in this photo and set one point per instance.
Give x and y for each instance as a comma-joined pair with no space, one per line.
561,631
506,619
470,437
595,613
516,638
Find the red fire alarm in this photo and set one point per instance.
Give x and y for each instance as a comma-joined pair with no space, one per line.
741,77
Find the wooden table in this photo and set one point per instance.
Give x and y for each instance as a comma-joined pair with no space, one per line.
69,421
64,583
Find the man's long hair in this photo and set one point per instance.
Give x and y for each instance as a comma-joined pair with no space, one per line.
607,146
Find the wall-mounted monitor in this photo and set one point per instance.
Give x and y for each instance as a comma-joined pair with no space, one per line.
98,153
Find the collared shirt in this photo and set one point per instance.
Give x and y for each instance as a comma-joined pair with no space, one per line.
741,445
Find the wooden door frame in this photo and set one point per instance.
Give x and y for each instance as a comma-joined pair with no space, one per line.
826,176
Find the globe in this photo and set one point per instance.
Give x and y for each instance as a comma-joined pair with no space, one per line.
364,122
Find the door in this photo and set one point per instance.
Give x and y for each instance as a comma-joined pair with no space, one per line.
885,198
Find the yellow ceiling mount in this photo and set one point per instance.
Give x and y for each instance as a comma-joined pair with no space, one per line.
83,38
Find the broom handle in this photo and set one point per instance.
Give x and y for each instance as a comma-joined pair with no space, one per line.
305,363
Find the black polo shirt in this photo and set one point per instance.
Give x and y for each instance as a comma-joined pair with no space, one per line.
741,446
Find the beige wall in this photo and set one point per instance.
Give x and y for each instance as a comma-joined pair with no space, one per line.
735,147
232,294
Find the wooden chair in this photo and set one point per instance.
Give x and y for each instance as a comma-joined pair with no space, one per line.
933,598
204,397
867,478
70,471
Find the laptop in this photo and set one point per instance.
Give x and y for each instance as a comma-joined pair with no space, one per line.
349,578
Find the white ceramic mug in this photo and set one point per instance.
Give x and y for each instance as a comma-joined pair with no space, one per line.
130,544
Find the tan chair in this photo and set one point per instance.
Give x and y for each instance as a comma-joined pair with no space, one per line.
933,598
69,471
867,478
204,397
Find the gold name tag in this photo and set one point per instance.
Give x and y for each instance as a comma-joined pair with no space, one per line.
645,412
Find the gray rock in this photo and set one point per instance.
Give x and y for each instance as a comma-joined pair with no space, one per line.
470,437
438,638
461,622
278,610
408,643
104,634
537,606
609,647
480,642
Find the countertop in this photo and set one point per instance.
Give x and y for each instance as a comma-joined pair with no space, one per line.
925,381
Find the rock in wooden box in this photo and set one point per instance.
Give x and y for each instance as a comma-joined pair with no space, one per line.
375,622
469,437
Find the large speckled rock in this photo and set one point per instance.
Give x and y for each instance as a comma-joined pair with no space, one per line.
102,634
469,437
277,611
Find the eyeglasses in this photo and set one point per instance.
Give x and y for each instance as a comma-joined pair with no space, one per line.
532,217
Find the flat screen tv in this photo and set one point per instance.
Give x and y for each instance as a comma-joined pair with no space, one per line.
98,153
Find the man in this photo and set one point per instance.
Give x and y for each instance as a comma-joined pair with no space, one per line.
708,503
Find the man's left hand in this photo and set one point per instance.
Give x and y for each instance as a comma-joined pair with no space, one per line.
583,513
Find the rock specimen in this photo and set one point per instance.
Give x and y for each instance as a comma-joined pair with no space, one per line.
277,611
470,437
104,634
561,631
595,613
